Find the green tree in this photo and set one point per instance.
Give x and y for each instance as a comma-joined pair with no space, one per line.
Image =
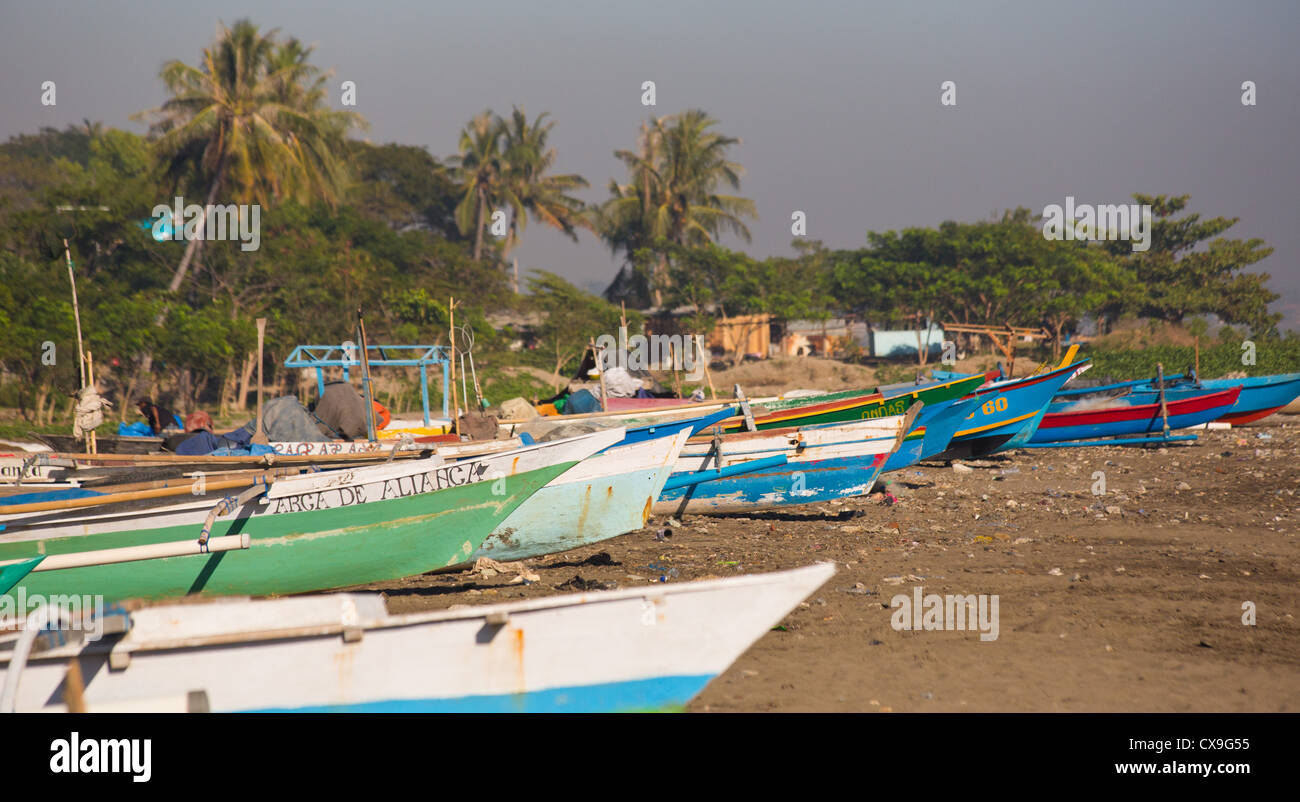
529,159
1081,278
673,194
887,285
251,120
572,317
719,283
1190,270
482,168
405,188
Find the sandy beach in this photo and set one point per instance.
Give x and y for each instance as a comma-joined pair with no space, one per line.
1131,600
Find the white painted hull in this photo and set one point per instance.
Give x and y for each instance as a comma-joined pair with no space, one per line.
841,440
601,497
624,649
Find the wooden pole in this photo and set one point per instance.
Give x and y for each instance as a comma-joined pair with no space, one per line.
76,309
699,348
153,551
259,437
367,394
745,411
677,376
1160,382
74,687
600,367
1198,357
455,397
139,460
1011,343
91,445
113,498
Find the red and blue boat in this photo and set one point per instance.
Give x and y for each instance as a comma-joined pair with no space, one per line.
1125,419
1260,397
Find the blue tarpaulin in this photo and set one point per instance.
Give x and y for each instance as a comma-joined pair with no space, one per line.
49,495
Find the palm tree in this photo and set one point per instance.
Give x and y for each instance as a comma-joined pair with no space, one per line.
482,167
250,119
676,172
507,163
528,162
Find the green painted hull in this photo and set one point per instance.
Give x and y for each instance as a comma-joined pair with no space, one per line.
296,552
853,405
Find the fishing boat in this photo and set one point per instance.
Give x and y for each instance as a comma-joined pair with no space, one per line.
1260,397
754,471
13,476
781,412
644,648
604,496
854,406
935,427
313,532
1123,419
1005,413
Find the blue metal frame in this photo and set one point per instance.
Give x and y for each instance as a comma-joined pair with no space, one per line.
421,356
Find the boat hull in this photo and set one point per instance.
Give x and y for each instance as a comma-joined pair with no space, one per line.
641,648
1005,414
932,436
1260,397
607,495
295,552
862,406
1127,420
793,484
823,463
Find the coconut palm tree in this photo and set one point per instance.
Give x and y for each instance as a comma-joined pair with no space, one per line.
545,196
250,121
507,163
673,193
481,167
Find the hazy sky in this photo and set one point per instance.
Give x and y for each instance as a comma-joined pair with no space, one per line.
837,104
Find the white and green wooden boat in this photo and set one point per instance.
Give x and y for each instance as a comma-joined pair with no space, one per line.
312,532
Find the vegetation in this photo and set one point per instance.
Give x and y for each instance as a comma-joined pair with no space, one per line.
393,230
1280,355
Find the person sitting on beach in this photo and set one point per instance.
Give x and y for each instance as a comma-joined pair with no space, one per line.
157,417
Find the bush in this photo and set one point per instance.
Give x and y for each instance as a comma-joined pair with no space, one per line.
1271,356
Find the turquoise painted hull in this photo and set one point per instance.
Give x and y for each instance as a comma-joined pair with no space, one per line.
561,517
656,693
